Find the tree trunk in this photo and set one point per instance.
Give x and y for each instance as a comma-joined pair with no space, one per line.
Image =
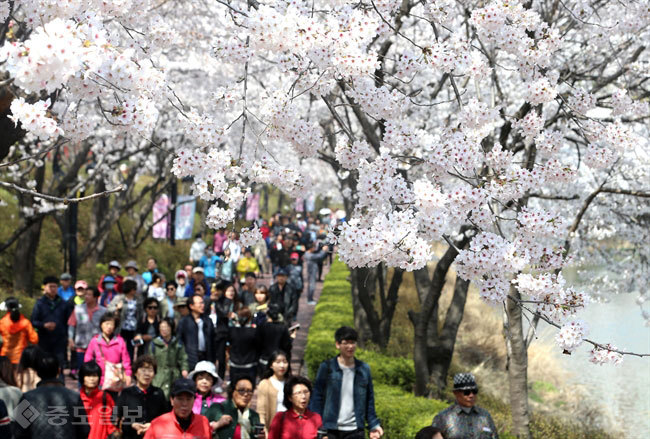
360,317
432,350
440,358
95,232
24,264
518,367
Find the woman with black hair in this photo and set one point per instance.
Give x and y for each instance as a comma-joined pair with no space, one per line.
109,351
16,331
26,376
147,328
298,422
98,403
233,418
270,391
170,356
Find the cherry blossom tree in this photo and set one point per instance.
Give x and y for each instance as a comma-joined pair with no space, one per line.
515,132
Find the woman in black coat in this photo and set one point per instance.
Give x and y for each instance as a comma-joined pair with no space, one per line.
244,350
272,336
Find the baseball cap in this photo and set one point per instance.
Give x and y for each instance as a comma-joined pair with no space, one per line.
80,284
183,385
295,255
197,270
66,276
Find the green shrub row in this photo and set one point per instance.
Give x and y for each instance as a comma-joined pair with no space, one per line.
402,414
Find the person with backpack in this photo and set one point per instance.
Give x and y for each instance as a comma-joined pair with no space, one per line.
343,392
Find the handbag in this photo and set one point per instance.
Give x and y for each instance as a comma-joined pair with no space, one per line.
114,379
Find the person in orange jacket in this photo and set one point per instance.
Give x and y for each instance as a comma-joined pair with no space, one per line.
180,422
16,331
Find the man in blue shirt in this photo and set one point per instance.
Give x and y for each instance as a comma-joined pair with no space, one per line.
343,393
65,290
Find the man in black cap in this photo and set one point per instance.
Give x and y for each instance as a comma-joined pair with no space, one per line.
463,419
180,422
285,296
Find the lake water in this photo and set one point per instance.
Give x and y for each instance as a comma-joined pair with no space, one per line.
622,391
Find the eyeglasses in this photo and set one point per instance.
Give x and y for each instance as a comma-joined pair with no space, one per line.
171,289
302,393
348,343
244,392
152,307
468,392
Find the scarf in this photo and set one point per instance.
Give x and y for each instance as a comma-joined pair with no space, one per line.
244,423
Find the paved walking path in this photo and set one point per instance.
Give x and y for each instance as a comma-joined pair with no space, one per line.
305,314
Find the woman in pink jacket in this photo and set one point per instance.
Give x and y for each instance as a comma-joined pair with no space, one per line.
107,347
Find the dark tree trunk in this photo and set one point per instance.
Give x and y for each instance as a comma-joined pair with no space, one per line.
24,264
433,350
97,235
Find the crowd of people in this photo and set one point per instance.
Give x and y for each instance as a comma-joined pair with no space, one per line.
150,354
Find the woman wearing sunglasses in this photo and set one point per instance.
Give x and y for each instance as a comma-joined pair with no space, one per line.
233,419
464,418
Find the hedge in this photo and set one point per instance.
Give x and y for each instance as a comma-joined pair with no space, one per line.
402,414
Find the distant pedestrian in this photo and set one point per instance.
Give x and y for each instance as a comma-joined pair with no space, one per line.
313,258
129,309
65,290
464,419
83,325
285,296
152,267
343,392
197,249
16,331
50,318
170,356
244,348
196,333
114,268
132,269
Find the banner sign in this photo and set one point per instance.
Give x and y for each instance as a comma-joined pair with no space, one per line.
185,209
161,217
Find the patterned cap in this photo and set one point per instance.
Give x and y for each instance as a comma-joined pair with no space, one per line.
464,381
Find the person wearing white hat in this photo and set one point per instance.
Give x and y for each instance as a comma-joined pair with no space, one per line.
208,386
198,277
464,419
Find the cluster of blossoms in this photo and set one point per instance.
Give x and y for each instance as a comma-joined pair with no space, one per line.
571,335
250,237
350,155
606,355
555,301
34,118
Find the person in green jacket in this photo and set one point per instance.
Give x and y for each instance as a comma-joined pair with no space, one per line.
170,356
233,417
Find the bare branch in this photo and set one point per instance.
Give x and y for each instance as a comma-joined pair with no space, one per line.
52,198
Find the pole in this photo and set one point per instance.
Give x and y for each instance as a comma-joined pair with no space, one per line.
172,215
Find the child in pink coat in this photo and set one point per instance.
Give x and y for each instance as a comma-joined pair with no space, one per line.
108,347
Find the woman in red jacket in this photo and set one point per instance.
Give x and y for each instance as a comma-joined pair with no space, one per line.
98,403
297,422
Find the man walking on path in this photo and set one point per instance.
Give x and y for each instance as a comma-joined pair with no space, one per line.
196,333
313,258
50,318
343,393
283,294
464,419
